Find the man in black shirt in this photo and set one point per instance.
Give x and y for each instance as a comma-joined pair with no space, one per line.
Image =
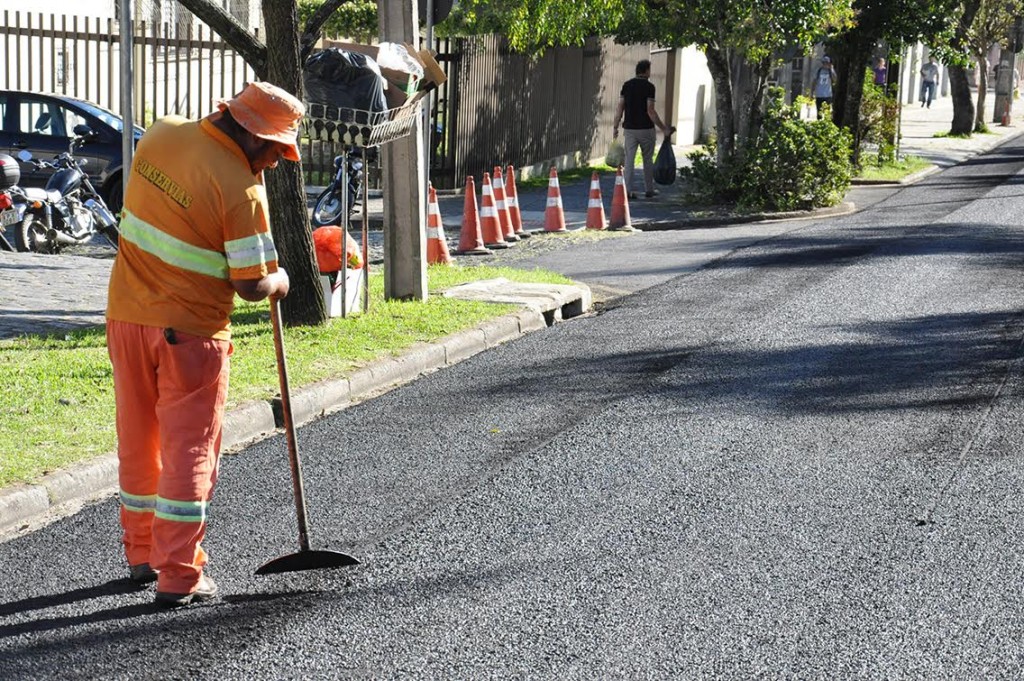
636,102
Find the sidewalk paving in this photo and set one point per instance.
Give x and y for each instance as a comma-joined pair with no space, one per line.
49,293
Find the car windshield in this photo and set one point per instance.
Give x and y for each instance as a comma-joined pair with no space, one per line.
108,117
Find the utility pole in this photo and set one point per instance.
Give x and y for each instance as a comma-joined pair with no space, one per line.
127,86
404,178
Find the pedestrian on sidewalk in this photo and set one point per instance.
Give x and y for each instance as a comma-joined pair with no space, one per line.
929,81
195,231
881,71
636,105
824,81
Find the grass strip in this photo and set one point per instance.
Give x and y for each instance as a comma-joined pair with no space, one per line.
59,406
892,172
567,175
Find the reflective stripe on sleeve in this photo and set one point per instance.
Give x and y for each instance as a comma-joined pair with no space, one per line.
181,511
250,251
138,503
171,250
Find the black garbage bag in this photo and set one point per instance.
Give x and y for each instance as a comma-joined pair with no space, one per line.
348,84
665,163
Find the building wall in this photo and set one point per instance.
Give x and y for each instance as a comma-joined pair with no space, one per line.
694,113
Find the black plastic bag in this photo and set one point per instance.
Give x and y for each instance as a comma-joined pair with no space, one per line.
665,163
345,80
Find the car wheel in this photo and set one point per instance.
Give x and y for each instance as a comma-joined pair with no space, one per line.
113,196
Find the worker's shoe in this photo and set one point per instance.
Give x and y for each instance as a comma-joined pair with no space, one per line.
205,590
142,573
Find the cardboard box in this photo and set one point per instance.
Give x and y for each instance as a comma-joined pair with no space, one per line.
353,293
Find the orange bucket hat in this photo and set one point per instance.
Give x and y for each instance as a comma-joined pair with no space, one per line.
268,112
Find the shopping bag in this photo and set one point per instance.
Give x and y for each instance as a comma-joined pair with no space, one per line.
616,155
665,163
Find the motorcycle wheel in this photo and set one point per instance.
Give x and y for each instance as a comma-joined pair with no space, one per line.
327,209
30,236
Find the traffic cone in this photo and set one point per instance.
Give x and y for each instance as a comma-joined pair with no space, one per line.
512,201
595,207
620,206
437,245
489,224
498,185
471,241
554,216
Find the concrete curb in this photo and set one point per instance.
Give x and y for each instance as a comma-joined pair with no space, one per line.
844,208
26,507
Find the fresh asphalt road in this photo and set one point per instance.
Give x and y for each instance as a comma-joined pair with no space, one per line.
799,460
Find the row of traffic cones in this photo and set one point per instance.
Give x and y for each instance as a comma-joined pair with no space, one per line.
498,223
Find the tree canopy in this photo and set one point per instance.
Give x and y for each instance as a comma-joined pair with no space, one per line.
756,30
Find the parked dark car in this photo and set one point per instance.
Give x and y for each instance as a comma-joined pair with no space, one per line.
43,125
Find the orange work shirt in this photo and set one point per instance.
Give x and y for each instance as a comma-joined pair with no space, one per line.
195,217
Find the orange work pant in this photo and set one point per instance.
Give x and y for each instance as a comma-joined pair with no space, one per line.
170,388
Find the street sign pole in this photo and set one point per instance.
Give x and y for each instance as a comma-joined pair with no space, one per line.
127,94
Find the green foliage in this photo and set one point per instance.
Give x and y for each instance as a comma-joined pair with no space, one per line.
793,164
879,114
756,31
355,19
532,25
710,182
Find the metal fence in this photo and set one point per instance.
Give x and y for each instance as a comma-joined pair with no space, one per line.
497,107
179,69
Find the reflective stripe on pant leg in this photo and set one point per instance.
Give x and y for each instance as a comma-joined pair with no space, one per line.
131,349
193,384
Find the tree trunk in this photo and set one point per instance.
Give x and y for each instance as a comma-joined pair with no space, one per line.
854,53
979,114
748,99
755,103
960,91
725,123
963,105
289,218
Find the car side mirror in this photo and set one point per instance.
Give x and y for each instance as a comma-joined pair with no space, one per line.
25,155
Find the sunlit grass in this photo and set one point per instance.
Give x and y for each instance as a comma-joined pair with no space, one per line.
59,399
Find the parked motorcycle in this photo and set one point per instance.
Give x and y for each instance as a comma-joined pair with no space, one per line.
10,175
348,172
69,210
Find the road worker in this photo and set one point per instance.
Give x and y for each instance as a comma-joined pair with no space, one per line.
195,231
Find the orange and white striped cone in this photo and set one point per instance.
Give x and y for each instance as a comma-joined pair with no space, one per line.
620,221
437,245
595,206
554,216
489,223
498,184
471,241
512,201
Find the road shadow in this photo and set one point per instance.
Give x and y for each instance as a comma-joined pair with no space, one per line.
925,362
1001,245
